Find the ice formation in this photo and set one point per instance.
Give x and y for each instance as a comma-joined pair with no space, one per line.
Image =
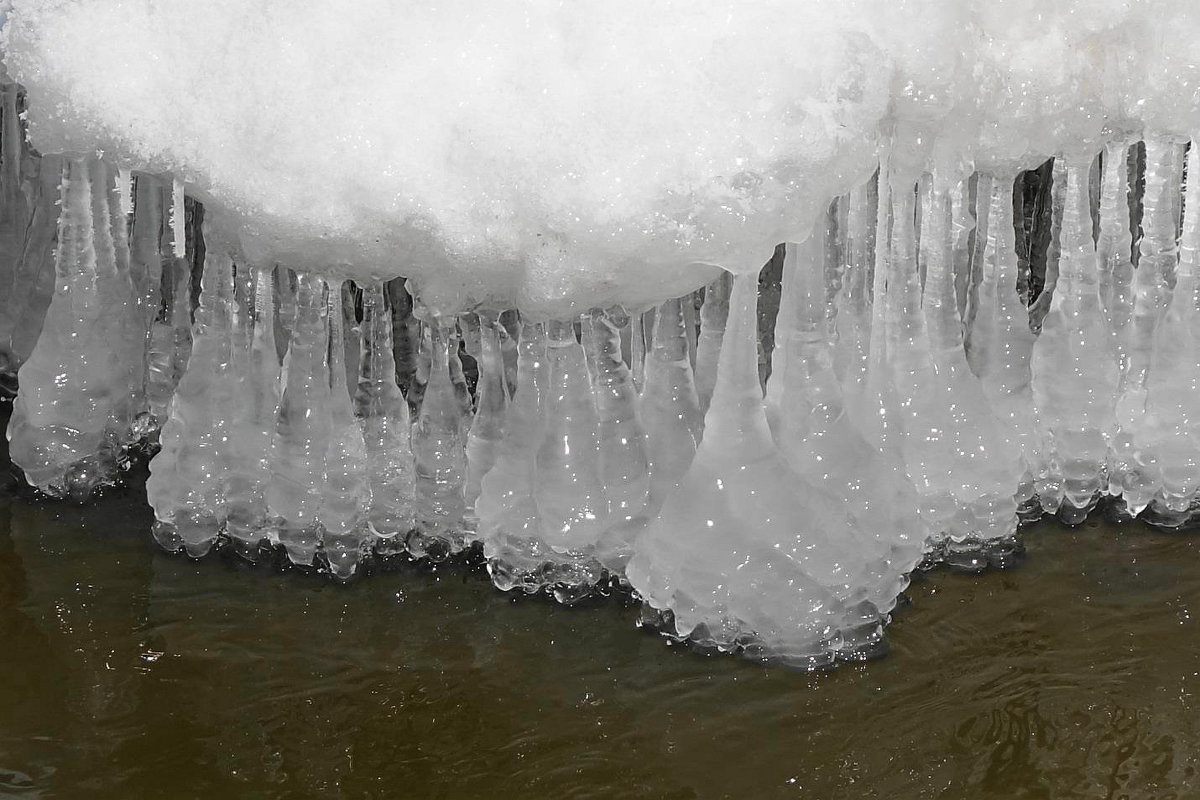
379,280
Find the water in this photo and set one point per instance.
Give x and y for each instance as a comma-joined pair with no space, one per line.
132,673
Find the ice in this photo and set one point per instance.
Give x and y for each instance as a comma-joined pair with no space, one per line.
1002,327
439,446
567,487
81,384
1074,374
712,328
1166,436
29,187
623,466
744,554
247,522
187,481
669,404
487,430
386,426
815,434
303,427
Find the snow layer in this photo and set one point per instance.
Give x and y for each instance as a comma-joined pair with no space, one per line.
557,156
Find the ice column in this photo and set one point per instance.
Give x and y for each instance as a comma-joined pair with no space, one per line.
29,195
669,404
187,481
346,498
954,450
487,431
712,328
1167,435
1074,374
566,481
507,513
80,386
257,395
302,426
623,466
438,443
746,555
813,431
1003,322
384,419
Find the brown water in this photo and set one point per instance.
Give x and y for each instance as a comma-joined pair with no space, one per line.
127,673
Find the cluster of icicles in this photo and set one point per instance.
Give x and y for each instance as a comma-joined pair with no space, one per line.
917,407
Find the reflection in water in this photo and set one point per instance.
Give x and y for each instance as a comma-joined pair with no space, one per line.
131,673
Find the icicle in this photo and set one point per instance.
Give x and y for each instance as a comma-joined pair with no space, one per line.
15,213
384,419
637,351
566,485
816,437
507,512
980,324
438,443
1168,433
953,448
257,374
346,495
79,397
302,427
1155,270
170,337
1005,374
487,431
669,405
178,218
623,468
187,484
1113,248
712,328
743,555
853,321
1074,376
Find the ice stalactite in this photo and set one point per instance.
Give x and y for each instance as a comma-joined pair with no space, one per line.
1167,434
29,195
187,481
623,466
566,480
72,421
712,328
810,425
954,451
383,416
346,493
670,408
168,296
439,447
257,396
744,555
487,431
303,426
1074,374
507,512
853,321
1005,373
